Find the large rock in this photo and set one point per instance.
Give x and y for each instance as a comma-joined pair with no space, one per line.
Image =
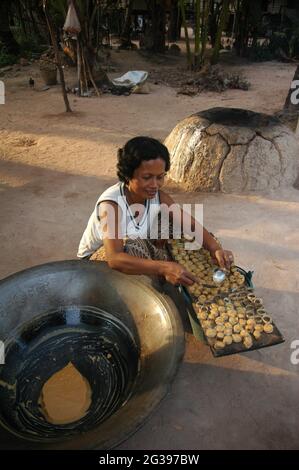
232,150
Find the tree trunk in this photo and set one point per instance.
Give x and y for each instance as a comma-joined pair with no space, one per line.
213,21
197,35
57,57
157,12
34,25
188,50
243,7
174,22
221,25
94,73
21,18
6,36
204,28
237,43
126,32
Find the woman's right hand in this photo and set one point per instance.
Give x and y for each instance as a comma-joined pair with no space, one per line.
176,274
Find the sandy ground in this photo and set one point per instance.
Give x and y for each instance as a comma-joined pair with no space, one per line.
53,166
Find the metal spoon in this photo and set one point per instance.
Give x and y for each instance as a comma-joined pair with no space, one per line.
219,276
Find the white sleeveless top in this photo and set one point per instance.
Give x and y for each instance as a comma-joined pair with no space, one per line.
92,238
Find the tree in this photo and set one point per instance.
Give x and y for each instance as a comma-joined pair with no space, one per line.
247,24
220,28
6,36
175,21
126,32
202,8
197,35
57,56
204,28
86,12
157,25
188,49
213,19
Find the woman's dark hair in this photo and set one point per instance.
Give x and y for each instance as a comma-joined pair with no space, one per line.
135,151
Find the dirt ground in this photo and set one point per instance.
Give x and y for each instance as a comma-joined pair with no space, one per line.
53,166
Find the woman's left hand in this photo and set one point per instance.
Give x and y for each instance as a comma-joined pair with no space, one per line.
224,258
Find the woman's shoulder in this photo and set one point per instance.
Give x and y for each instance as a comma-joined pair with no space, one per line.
165,198
112,193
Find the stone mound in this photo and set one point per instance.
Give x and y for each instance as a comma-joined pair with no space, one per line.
232,150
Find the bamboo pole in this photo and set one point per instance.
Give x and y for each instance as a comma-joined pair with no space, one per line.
57,57
204,28
189,55
197,35
221,24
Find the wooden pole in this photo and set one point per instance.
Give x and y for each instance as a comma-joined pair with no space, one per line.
92,79
79,67
84,70
57,57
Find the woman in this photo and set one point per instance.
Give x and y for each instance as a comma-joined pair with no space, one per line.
142,166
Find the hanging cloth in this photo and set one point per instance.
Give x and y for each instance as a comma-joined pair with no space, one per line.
72,23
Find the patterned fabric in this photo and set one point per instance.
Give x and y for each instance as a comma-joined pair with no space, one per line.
142,248
136,247
98,255
145,249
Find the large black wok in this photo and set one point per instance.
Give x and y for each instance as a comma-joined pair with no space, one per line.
124,336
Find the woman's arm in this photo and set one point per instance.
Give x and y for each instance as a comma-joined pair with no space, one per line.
128,264
223,257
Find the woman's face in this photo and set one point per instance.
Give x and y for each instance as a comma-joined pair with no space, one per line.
148,178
